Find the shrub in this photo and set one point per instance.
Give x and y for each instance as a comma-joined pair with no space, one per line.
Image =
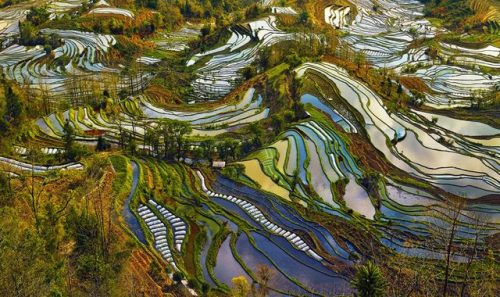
38,15
178,276
102,144
194,284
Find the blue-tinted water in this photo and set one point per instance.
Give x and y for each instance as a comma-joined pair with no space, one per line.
130,218
253,259
226,266
308,98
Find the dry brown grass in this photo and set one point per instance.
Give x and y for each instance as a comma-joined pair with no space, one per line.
90,19
93,195
136,278
161,95
286,20
316,10
415,84
167,99
121,3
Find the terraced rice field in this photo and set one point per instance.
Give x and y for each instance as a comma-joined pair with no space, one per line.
112,10
337,16
138,114
177,41
159,231
417,212
253,170
319,156
221,73
351,177
16,165
327,160
85,53
273,242
9,20
486,56
58,8
454,86
283,10
447,166
461,127
11,15
82,54
263,231
308,162
384,35
218,120
148,60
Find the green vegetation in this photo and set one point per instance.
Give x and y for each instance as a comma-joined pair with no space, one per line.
478,18
451,13
369,281
161,133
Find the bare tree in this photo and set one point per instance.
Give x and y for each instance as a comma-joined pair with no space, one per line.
456,209
443,238
472,249
46,98
35,192
264,275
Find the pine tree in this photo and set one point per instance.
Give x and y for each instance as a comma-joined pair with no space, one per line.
13,105
102,144
369,281
68,139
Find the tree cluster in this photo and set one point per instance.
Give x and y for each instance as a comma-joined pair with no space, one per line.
12,110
